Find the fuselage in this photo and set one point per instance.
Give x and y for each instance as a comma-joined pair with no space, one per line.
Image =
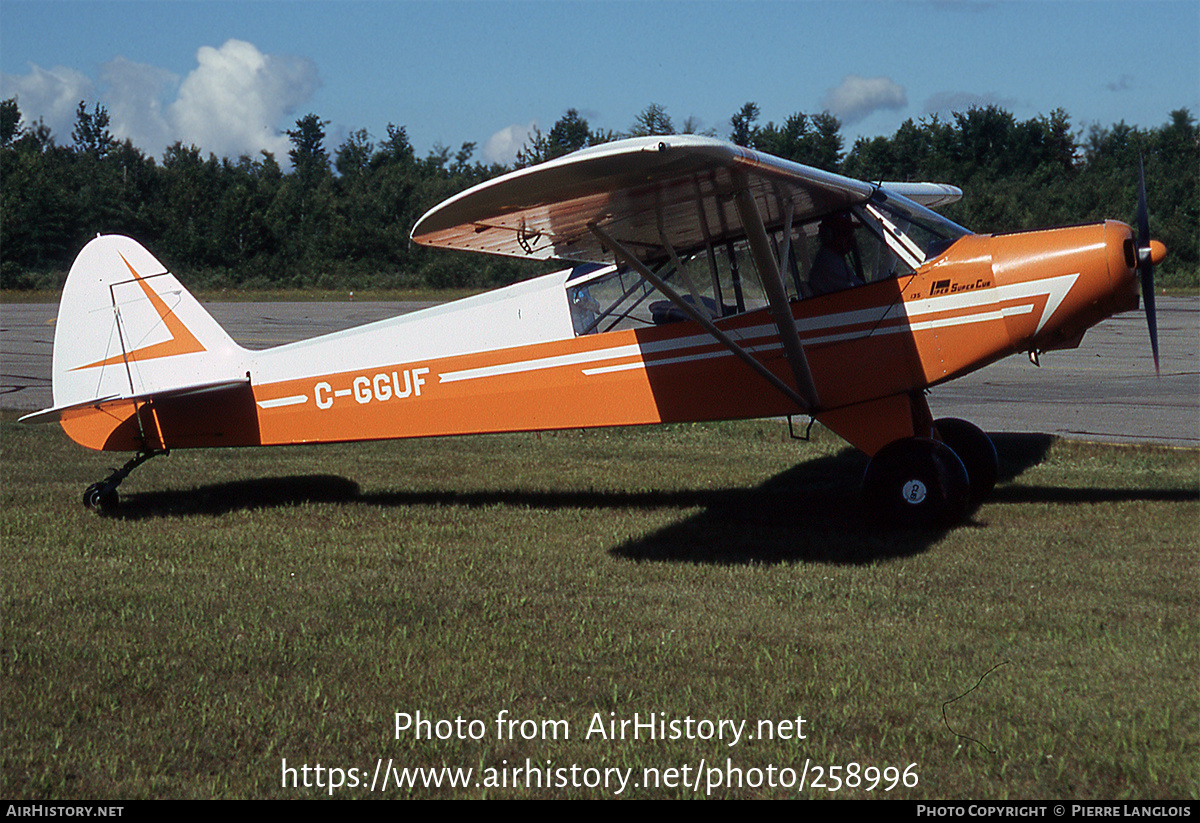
514,360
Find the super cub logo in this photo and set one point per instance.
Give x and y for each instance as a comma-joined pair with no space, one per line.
940,287
378,388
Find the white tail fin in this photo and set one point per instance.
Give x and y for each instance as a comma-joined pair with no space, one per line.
126,327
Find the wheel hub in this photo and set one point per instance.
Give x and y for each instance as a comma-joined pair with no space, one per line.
914,492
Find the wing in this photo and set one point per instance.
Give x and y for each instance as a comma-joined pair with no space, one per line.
653,199
641,191
930,195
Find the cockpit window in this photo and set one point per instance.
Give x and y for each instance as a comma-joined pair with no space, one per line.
603,299
852,248
721,284
885,237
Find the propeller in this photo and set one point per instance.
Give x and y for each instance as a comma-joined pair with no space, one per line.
1145,261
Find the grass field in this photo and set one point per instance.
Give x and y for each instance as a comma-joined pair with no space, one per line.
247,608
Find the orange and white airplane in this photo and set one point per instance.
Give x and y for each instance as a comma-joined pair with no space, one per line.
706,281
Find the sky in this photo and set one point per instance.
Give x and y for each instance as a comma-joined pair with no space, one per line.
231,77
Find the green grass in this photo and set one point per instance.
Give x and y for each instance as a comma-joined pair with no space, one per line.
246,607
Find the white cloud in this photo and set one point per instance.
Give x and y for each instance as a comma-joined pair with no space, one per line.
49,95
134,96
502,147
236,101
855,98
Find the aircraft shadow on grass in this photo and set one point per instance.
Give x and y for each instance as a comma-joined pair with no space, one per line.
812,513
808,513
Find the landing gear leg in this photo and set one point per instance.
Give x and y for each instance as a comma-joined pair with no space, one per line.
103,495
916,482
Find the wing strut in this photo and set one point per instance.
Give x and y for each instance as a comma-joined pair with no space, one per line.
695,314
708,247
768,269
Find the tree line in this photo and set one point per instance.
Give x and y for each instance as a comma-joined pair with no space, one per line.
341,219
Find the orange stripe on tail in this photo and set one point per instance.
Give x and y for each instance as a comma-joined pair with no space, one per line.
182,341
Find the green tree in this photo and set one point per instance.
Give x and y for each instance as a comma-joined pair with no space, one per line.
985,140
652,120
310,161
396,150
354,156
91,133
569,133
38,208
536,149
231,222
10,119
188,190
744,131
814,141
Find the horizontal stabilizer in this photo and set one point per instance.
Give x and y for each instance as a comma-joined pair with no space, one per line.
58,413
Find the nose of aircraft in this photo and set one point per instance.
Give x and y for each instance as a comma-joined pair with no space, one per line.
1157,252
1105,261
1122,253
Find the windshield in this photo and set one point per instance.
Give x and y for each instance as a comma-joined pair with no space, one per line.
928,230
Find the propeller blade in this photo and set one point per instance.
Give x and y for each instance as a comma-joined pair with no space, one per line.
1145,264
1143,214
1151,318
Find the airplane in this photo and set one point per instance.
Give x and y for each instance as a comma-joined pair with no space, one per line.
703,281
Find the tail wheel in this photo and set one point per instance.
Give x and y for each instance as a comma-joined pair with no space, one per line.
101,496
916,483
977,452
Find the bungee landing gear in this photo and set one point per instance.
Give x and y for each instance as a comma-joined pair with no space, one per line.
103,496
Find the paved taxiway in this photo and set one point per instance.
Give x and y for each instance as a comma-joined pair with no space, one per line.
1105,390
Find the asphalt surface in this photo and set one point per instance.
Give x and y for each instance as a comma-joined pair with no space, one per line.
1105,390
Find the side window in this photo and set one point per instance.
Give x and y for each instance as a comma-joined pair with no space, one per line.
605,298
863,244
721,284
847,249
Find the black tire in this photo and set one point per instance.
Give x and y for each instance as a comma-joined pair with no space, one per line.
916,482
100,496
977,452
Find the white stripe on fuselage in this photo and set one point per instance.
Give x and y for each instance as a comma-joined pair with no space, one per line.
978,306
897,319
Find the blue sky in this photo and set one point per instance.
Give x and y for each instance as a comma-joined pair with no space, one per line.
231,77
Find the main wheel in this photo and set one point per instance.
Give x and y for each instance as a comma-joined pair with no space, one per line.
100,496
916,483
977,452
